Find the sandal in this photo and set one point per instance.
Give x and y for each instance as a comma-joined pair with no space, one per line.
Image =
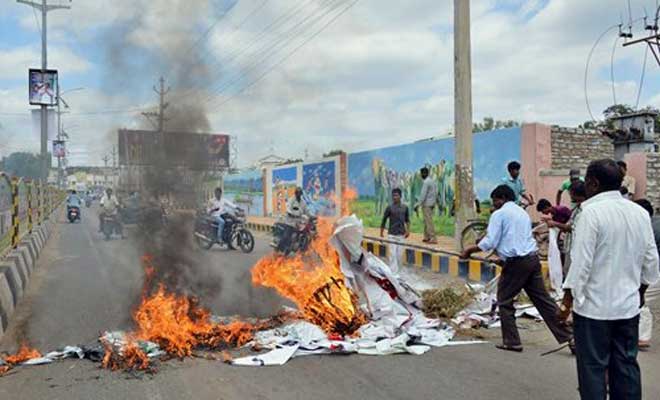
517,349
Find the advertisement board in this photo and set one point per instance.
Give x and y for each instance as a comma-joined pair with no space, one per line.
42,87
59,148
199,151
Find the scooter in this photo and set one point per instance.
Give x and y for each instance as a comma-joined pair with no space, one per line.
73,214
111,225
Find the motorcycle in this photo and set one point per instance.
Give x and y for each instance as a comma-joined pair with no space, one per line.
235,233
288,239
73,214
111,225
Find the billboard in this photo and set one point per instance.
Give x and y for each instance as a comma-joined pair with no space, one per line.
59,149
319,188
199,151
42,87
284,182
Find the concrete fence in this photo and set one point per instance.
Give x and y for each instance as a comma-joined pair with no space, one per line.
26,222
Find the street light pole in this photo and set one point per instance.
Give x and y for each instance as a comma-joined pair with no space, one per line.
60,166
44,7
463,116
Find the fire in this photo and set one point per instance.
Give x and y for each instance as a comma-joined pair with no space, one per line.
315,283
178,325
24,353
350,195
131,357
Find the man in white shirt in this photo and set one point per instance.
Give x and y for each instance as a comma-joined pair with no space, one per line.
109,207
217,207
510,233
427,199
613,260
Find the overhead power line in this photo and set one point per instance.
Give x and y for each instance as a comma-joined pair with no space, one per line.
296,31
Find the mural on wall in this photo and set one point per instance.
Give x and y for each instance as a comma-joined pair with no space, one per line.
284,181
319,187
246,191
374,173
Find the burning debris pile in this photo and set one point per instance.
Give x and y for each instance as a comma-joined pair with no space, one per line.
348,301
315,283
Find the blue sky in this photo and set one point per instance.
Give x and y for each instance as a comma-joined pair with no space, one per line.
379,75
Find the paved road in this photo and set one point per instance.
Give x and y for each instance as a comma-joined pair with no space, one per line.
85,285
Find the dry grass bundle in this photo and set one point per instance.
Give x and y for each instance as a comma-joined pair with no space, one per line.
445,302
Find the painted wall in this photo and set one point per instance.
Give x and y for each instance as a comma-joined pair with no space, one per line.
320,180
246,190
283,186
374,173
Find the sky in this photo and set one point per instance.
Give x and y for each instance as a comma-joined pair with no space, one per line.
308,76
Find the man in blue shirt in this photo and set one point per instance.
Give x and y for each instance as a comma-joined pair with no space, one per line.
514,181
510,233
73,200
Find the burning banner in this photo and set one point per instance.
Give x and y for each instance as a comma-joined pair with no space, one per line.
328,283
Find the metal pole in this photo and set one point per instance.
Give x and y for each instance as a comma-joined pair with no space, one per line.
59,137
463,115
44,109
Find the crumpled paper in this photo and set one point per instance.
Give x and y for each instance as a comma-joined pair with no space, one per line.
397,323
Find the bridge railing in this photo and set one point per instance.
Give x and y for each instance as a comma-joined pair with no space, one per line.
24,204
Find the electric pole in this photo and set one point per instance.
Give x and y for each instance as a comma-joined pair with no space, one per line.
463,116
44,7
162,105
106,159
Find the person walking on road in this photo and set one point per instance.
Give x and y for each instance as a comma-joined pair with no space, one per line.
399,228
510,234
515,182
613,260
427,199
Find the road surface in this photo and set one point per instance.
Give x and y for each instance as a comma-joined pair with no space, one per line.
85,285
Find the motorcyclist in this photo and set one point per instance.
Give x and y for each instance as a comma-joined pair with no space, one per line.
296,213
217,208
73,201
109,208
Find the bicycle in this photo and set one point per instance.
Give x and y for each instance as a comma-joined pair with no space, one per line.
478,228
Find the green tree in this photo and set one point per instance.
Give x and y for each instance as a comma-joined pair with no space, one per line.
333,153
23,164
617,110
489,124
291,161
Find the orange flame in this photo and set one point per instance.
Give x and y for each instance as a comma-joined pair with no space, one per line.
314,281
178,324
131,357
23,354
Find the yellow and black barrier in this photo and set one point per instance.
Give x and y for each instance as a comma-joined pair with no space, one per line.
23,204
428,258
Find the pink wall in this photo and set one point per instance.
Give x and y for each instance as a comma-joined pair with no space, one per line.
536,156
637,169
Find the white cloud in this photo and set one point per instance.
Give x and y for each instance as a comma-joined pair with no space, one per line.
382,74
15,62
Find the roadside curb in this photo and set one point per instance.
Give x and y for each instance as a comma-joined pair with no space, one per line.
433,261
17,267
